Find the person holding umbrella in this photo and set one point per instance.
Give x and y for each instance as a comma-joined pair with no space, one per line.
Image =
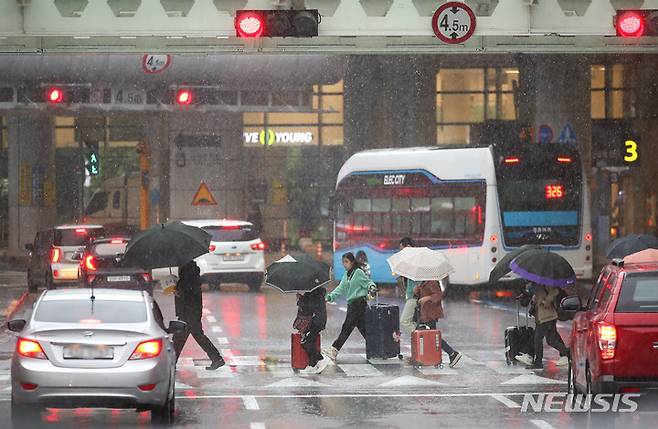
356,285
189,309
547,272
312,312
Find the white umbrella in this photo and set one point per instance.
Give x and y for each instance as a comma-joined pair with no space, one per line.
420,263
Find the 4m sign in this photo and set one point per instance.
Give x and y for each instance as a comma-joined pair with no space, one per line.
453,22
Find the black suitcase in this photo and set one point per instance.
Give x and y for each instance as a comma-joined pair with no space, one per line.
519,339
382,331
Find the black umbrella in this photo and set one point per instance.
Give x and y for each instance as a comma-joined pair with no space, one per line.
630,244
544,268
166,245
300,274
502,268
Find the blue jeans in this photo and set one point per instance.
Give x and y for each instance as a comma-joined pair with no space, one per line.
444,344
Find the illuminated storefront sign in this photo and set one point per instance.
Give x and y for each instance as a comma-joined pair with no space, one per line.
271,137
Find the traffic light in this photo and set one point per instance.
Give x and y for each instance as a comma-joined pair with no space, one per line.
54,95
636,22
276,23
184,97
92,161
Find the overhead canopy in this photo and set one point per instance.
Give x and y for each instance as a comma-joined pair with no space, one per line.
244,71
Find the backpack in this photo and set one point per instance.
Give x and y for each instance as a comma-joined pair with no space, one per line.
561,314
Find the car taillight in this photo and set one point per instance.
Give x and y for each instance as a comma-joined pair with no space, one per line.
30,348
212,248
55,254
90,263
147,350
258,246
146,277
607,335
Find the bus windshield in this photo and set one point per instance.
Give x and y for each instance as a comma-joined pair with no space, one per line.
379,209
540,198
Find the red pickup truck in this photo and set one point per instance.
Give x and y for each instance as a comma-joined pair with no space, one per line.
614,337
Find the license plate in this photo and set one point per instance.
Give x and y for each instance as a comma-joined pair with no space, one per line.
233,257
78,351
118,278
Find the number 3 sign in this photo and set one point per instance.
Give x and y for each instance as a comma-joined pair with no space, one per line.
453,22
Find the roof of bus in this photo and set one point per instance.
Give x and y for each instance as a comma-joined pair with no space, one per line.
444,163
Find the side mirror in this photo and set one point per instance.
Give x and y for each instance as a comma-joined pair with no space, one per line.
29,247
16,325
571,304
176,326
77,256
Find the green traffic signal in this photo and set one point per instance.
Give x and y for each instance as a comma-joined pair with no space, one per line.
92,163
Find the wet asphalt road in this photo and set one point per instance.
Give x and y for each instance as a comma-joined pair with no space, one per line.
259,390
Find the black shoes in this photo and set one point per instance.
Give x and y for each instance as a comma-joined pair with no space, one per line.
454,358
216,364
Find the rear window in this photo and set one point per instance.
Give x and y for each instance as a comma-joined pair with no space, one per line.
639,294
110,249
76,236
82,311
231,233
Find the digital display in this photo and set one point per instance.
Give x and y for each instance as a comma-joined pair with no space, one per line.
553,192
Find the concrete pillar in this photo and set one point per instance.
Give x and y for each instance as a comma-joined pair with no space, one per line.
365,125
555,91
410,93
157,132
31,178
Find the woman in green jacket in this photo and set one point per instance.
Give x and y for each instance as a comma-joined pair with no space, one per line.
356,285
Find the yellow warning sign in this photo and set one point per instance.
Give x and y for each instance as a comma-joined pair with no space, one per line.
203,196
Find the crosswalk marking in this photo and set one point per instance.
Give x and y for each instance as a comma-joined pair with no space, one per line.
222,340
257,425
506,401
216,329
250,403
408,380
533,379
541,424
359,370
211,319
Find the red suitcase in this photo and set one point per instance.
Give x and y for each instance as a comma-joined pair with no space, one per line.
298,356
426,347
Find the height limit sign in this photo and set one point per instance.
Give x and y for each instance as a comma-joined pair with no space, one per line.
453,22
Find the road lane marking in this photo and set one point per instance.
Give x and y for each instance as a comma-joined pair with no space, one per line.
211,319
258,425
506,401
250,403
205,311
541,424
359,370
408,380
533,379
216,329
343,309
222,340
359,395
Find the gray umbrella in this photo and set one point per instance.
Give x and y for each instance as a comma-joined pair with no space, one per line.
166,245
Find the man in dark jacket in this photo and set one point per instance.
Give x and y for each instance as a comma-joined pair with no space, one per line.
313,304
189,310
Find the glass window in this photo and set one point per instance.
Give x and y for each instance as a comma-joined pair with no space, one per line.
292,118
97,203
598,77
81,311
285,98
110,249
381,204
451,80
639,294
401,205
598,105
253,118
255,98
453,134
332,135
618,75
362,205
230,233
507,79
116,200
460,108
76,236
420,204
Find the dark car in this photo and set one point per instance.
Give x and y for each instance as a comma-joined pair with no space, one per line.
51,254
614,338
100,267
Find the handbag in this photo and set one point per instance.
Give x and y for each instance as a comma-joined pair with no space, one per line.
302,323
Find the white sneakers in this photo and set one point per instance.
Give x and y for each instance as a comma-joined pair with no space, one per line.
317,369
331,353
525,359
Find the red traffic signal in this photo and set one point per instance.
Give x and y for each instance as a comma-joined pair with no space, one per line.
636,22
276,23
184,97
54,95
249,24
